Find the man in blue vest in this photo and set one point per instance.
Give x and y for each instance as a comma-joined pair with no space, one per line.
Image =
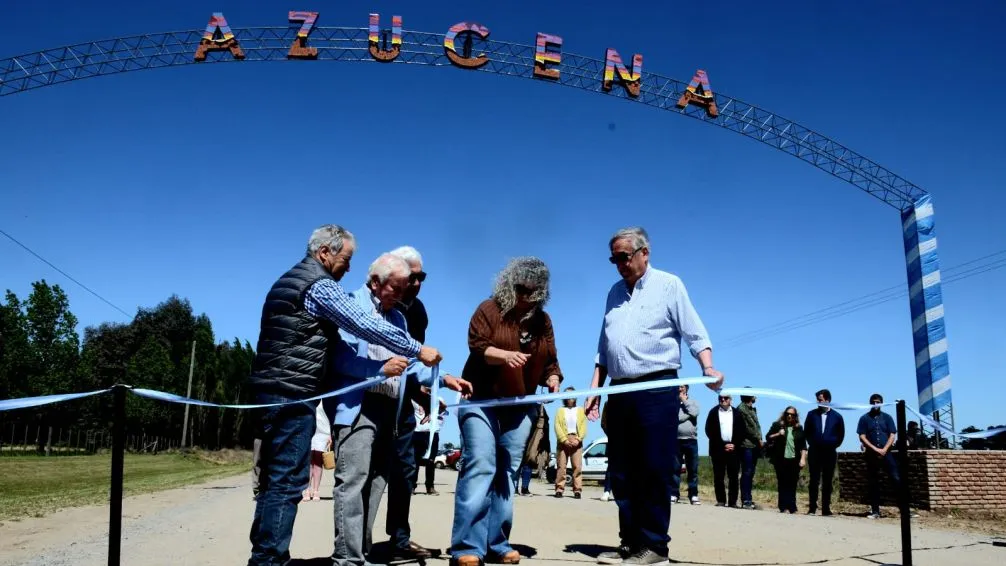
370,424
301,318
825,430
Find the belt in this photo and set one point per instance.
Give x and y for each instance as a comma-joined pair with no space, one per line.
655,376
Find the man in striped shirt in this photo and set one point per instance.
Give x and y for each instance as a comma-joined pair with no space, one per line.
646,316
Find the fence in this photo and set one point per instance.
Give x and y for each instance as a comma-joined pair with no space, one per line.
36,440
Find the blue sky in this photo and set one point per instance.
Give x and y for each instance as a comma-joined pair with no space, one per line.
206,181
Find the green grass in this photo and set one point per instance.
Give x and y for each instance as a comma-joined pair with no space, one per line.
36,486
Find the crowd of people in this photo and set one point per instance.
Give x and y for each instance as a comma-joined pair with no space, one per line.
316,337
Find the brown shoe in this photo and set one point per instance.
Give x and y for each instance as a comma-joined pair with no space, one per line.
512,557
467,560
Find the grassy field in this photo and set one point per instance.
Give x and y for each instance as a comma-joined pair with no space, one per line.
33,486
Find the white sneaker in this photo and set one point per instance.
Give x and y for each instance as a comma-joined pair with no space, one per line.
695,500
606,496
674,499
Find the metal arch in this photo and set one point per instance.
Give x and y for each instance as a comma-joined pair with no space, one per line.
85,60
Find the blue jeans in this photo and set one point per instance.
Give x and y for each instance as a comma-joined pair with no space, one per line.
640,460
607,481
284,458
492,447
749,460
525,477
688,448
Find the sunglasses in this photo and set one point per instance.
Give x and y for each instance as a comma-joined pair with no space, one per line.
523,290
791,415
420,277
622,257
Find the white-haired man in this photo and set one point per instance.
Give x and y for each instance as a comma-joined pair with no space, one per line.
646,315
369,425
303,315
410,305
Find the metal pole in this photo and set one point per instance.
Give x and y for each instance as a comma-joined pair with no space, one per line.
903,492
118,452
188,392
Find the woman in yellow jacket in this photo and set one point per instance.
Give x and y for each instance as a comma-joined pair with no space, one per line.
570,429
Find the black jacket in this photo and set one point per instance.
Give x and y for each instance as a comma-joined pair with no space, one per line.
716,443
416,319
828,438
291,355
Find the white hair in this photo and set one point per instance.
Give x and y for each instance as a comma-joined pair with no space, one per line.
636,234
409,254
387,265
331,235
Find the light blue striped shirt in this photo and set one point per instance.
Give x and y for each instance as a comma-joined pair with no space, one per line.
642,330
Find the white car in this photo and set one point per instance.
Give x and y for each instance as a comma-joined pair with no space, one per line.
595,462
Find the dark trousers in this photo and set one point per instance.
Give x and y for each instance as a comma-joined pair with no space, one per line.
642,428
284,462
787,474
402,476
873,464
420,441
821,462
726,465
749,461
525,477
688,449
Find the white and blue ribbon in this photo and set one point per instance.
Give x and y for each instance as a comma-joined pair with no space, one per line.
172,398
759,392
607,390
947,430
434,410
12,404
24,402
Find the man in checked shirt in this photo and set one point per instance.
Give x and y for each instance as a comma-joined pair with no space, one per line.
647,314
301,318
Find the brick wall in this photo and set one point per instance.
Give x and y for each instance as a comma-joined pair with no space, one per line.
939,480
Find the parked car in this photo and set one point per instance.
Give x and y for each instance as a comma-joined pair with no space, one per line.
595,462
448,459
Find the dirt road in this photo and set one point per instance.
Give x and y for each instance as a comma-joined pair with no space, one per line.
208,525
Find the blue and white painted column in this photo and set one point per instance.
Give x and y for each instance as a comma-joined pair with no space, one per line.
932,368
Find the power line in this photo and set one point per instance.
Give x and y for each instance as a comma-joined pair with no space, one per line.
949,275
65,274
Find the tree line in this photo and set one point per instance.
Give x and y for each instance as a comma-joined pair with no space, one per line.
42,354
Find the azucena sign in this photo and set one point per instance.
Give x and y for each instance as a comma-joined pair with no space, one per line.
386,45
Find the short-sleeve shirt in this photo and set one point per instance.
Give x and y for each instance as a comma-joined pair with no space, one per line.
877,428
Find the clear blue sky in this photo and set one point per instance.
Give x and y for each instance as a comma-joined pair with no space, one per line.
206,181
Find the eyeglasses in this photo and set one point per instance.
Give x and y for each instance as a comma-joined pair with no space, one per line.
622,257
420,277
791,415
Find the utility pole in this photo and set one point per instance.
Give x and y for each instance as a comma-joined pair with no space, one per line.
188,393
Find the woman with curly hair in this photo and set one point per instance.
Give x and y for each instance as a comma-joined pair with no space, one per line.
788,452
511,352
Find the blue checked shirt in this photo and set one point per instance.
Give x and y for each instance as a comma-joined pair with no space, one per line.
642,331
327,299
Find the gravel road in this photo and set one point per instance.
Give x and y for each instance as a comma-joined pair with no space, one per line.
208,525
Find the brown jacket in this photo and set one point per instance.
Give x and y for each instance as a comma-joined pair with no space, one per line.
488,328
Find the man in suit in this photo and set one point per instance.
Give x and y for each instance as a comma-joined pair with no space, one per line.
825,431
725,429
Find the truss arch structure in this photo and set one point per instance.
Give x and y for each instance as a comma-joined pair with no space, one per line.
170,49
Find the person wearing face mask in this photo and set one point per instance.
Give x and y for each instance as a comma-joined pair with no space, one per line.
301,317
570,429
876,430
